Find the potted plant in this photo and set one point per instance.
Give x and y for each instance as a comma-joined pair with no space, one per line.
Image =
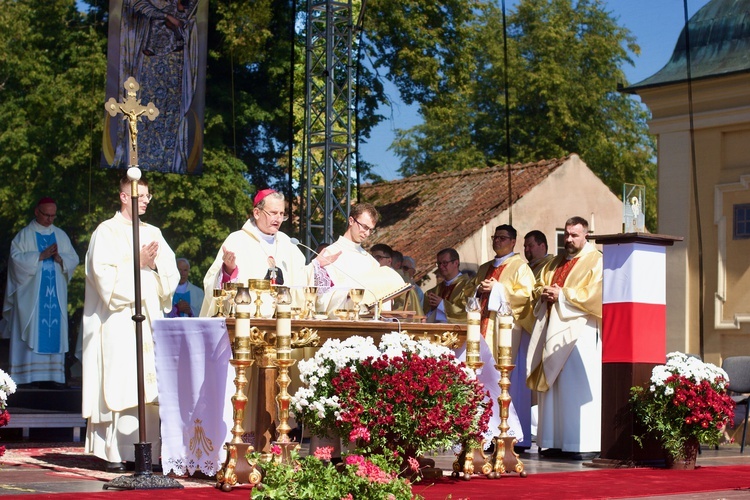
685,405
7,387
409,397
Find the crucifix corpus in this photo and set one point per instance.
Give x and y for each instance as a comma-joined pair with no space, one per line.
132,110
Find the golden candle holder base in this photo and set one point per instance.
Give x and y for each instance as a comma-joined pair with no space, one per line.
504,459
469,460
287,447
236,467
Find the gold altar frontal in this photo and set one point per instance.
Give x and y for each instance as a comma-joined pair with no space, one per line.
312,333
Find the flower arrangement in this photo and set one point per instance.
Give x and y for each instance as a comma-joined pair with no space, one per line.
686,401
406,396
7,387
314,477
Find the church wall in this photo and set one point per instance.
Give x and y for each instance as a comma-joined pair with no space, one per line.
573,189
722,141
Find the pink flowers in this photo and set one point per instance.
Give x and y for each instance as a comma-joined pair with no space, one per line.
323,453
369,470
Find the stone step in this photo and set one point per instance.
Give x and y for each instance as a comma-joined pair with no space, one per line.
29,418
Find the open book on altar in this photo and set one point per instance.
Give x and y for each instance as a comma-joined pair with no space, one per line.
381,283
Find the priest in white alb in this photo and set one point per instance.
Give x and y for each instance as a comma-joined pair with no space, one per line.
110,395
41,264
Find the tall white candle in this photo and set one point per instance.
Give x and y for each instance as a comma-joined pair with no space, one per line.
472,326
505,331
242,320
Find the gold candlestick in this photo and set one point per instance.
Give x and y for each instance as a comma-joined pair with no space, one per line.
472,456
504,459
236,464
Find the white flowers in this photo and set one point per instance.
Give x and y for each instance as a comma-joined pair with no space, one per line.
7,387
335,355
689,367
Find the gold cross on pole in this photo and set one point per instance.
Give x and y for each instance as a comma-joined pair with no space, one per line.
132,110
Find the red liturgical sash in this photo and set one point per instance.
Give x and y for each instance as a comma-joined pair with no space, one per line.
492,272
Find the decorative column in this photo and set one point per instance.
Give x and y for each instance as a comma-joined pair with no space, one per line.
634,315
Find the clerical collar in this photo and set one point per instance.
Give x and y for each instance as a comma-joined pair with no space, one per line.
268,238
349,244
452,280
499,260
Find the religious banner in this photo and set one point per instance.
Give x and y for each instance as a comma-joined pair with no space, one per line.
162,45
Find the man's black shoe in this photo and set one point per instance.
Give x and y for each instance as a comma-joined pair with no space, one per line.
115,467
49,385
551,453
572,455
520,449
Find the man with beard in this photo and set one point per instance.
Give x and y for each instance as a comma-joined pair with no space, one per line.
446,302
565,362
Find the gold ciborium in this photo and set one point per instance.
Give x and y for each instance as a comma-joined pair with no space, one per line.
311,293
356,295
231,292
259,286
219,299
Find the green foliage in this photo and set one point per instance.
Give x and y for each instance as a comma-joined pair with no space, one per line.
373,477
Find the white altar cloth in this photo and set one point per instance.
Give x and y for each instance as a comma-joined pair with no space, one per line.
194,382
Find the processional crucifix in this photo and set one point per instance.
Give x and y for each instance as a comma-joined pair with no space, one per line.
132,110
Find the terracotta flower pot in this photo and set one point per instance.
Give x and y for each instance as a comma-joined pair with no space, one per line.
690,454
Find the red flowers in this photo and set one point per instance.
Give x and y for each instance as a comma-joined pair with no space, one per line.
410,402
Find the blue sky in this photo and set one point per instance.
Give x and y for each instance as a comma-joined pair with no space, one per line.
656,24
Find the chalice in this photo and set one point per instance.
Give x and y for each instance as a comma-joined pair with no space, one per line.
219,299
259,286
356,295
311,293
231,292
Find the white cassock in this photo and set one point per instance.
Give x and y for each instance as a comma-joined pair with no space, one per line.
36,304
110,396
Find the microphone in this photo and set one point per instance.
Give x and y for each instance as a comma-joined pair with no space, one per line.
297,242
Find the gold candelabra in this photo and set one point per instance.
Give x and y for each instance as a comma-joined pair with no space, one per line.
236,464
283,361
472,455
504,459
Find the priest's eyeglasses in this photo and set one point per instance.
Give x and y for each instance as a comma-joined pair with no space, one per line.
364,228
48,216
276,215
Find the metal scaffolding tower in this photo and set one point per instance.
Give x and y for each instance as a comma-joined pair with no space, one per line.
329,111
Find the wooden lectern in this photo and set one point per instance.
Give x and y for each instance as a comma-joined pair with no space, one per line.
633,337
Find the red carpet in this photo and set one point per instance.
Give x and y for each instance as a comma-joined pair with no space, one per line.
609,483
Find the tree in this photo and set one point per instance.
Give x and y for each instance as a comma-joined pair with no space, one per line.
564,64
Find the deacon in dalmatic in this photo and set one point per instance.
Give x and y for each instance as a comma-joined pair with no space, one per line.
565,354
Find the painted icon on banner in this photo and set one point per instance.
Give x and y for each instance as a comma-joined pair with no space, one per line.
162,45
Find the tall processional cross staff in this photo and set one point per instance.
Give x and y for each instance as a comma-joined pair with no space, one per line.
132,111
